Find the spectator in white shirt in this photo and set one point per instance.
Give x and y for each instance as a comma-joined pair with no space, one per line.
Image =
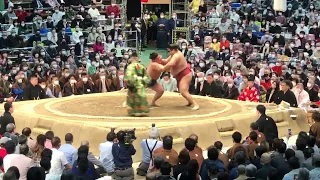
22,161
93,11
10,147
53,36
58,161
148,146
302,27
106,156
57,16
76,35
302,96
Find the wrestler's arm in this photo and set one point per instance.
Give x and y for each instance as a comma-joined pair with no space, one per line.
165,61
171,63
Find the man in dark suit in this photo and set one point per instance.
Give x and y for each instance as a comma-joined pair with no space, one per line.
286,94
231,92
114,33
6,118
173,23
211,87
198,32
266,125
63,35
80,47
143,32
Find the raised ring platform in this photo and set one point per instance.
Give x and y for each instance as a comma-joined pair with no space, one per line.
90,117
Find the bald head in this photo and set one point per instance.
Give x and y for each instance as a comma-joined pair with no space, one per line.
265,158
85,143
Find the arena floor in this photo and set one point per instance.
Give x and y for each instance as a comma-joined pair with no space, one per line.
90,117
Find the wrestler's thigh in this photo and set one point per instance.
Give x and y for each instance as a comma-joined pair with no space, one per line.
157,87
185,83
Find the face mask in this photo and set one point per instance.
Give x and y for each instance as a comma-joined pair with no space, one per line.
278,64
226,68
102,77
19,80
240,30
101,70
292,45
318,48
107,62
215,77
238,74
85,79
291,24
237,41
276,46
201,65
161,16
10,62
273,24
56,83
38,69
230,85
214,40
73,81
55,66
126,56
309,85
239,63
173,17
247,44
266,45
120,38
25,68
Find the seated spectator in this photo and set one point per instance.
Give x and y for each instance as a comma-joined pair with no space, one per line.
254,127
295,166
152,174
70,87
168,83
190,145
22,162
58,161
250,93
98,47
190,172
184,159
251,171
148,146
241,172
54,89
11,173
30,142
213,155
38,148
36,173
252,144
165,171
10,148
302,96
91,157
237,137
266,171
89,169
93,11
106,157
167,153
68,150
49,135
113,8
11,134
231,92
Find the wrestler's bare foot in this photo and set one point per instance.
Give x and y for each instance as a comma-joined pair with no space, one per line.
195,107
189,105
154,105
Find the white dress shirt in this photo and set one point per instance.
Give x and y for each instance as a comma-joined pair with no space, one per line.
76,36
58,161
7,161
106,156
93,12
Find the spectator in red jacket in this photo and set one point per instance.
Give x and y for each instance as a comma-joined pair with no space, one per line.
113,8
224,42
250,93
21,14
98,46
278,67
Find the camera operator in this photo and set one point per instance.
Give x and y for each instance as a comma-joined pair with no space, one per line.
122,156
148,146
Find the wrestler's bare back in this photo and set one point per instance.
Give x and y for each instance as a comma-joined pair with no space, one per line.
154,70
178,62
